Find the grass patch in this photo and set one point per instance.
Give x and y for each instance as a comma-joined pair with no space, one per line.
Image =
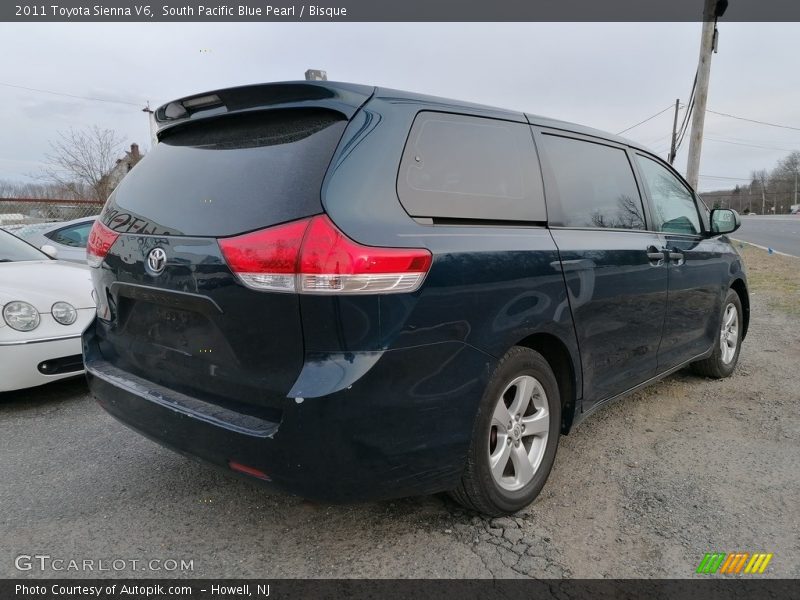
773,277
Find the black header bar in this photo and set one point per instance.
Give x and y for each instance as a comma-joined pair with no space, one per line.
393,11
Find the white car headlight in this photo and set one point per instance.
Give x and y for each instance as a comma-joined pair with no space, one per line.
64,313
21,316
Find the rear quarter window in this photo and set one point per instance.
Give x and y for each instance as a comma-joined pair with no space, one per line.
465,167
75,236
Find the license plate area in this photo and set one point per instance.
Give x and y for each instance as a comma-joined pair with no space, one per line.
166,326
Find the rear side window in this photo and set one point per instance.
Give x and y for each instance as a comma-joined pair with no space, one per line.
463,167
74,235
228,175
594,184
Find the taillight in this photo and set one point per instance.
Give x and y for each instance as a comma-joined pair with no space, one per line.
266,259
312,256
101,238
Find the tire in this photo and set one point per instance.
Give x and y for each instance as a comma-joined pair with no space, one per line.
722,362
511,486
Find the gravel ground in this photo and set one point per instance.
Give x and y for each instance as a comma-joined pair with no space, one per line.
642,489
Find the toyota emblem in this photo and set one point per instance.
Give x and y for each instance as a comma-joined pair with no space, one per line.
156,261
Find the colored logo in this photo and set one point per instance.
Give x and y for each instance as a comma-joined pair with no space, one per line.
734,563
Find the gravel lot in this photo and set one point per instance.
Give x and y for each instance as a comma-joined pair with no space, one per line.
642,489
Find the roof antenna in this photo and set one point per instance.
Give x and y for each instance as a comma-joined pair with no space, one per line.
316,75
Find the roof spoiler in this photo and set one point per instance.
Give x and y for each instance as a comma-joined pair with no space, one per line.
345,98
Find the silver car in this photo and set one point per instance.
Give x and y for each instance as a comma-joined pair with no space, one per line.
68,238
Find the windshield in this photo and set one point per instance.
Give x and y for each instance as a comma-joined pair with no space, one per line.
13,249
26,230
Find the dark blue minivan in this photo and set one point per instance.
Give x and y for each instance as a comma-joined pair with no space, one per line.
360,293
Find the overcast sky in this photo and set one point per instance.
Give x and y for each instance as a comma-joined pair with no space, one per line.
608,76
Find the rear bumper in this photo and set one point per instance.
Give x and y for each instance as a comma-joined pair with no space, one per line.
402,428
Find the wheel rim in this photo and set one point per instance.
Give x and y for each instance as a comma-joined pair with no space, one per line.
729,333
518,433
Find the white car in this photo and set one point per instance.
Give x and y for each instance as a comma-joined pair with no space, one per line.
45,305
68,238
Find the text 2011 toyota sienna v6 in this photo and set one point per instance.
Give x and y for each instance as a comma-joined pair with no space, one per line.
360,293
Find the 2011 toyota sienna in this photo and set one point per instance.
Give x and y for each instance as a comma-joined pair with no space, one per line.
361,293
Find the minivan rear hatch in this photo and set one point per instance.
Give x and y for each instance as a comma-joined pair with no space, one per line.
170,309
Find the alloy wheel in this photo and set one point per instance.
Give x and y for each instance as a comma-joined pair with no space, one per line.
519,429
729,334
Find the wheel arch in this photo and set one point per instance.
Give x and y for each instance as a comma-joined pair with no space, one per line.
558,356
740,287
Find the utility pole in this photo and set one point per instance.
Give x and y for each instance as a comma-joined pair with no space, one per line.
151,123
674,131
749,198
712,11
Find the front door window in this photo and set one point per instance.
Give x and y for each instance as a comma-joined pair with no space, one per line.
674,210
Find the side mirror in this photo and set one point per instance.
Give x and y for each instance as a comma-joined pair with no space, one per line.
51,251
724,220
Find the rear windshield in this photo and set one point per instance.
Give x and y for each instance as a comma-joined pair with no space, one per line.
228,175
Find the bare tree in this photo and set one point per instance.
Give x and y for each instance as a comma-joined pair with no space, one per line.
83,161
630,212
628,215
784,179
760,178
777,189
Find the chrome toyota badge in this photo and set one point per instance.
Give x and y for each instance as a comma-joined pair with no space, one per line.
156,261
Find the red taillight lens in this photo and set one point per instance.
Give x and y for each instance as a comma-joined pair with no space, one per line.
331,262
101,238
312,256
266,259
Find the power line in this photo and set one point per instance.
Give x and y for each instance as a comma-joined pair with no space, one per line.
646,120
748,140
685,125
784,194
686,119
722,177
753,120
710,139
30,89
687,115
656,140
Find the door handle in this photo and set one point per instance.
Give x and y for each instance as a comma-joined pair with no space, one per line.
655,256
676,257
